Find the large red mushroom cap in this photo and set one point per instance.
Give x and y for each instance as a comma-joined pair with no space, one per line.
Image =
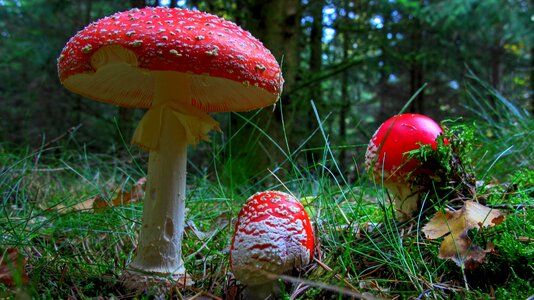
387,150
230,69
273,235
181,61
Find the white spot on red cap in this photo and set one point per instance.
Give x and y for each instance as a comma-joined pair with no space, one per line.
87,48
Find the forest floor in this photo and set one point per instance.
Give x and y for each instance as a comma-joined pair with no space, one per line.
69,224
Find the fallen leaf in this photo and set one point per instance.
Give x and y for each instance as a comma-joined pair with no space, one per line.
455,225
121,197
82,206
12,270
482,216
99,203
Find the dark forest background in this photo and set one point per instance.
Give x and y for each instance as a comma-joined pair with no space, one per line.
359,61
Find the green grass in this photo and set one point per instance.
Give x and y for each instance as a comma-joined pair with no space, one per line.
363,251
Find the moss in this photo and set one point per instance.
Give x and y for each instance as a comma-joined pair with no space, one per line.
509,269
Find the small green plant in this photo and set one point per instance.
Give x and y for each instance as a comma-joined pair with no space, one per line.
446,173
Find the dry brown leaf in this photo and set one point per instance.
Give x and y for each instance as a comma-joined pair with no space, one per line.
122,197
82,206
11,267
99,203
482,216
455,225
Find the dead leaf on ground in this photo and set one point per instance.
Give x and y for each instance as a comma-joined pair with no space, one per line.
99,203
455,225
82,206
12,270
122,197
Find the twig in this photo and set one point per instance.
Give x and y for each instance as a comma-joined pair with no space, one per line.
511,206
203,294
337,276
68,132
333,288
282,183
46,169
301,288
433,287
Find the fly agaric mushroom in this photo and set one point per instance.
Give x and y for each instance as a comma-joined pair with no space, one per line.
386,156
273,235
180,64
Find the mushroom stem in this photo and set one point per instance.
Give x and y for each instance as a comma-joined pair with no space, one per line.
406,199
160,242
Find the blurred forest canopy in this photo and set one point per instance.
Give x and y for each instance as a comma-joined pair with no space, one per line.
359,61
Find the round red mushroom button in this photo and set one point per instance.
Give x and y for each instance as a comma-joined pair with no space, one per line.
273,235
400,134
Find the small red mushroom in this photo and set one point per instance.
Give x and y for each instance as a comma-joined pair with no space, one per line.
273,235
386,156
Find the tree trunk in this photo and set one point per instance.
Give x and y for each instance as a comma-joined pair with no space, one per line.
416,69
532,80
316,44
315,66
496,53
137,3
277,24
282,37
345,97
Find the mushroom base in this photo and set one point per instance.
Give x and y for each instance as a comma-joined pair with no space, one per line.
406,200
137,282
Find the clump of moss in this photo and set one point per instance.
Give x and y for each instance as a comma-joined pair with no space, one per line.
507,272
452,175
